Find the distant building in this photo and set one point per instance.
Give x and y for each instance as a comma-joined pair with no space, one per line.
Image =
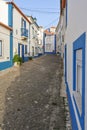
40,40
50,41
36,38
33,42
60,36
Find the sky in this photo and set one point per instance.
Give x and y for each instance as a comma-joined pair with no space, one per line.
40,9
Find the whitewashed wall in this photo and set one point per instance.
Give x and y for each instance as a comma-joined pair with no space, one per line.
4,12
33,38
76,25
5,38
40,39
17,30
49,43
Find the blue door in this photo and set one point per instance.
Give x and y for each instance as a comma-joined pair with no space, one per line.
21,50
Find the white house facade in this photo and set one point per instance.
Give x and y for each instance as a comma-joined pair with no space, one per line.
60,33
13,17
40,41
5,46
33,42
76,60
49,42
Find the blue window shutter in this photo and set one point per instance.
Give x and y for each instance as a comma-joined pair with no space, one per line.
19,49
24,24
23,52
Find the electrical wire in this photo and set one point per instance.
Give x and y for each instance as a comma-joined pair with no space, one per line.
51,22
43,8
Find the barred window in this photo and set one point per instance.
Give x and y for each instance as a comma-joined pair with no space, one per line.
0,48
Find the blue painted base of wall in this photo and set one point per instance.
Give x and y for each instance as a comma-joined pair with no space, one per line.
72,113
40,54
26,59
5,65
50,52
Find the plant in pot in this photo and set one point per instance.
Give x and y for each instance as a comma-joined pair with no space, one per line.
17,60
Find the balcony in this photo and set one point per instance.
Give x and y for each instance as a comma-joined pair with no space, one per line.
24,33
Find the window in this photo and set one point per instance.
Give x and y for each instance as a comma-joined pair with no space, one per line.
79,71
16,31
36,50
25,49
79,76
0,48
32,31
23,23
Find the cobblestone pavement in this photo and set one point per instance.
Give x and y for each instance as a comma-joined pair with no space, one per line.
30,96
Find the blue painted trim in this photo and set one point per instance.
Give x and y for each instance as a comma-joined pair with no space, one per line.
23,52
24,32
26,59
80,44
10,15
72,113
19,49
40,54
11,47
65,69
8,64
50,52
5,65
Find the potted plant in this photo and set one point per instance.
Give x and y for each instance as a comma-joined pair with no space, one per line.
17,60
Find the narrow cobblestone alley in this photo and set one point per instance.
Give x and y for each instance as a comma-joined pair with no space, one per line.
30,96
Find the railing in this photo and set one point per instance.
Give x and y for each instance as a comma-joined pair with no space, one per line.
24,32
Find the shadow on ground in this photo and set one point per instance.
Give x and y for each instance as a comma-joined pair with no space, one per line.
33,99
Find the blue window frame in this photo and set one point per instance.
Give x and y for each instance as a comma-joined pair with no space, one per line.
0,48
79,45
23,23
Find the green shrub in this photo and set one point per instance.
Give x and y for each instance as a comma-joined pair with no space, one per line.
17,59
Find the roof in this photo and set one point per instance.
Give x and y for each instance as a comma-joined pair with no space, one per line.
5,26
32,19
63,3
53,27
19,10
48,33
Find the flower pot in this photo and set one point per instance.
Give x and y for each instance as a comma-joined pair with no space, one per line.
17,64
